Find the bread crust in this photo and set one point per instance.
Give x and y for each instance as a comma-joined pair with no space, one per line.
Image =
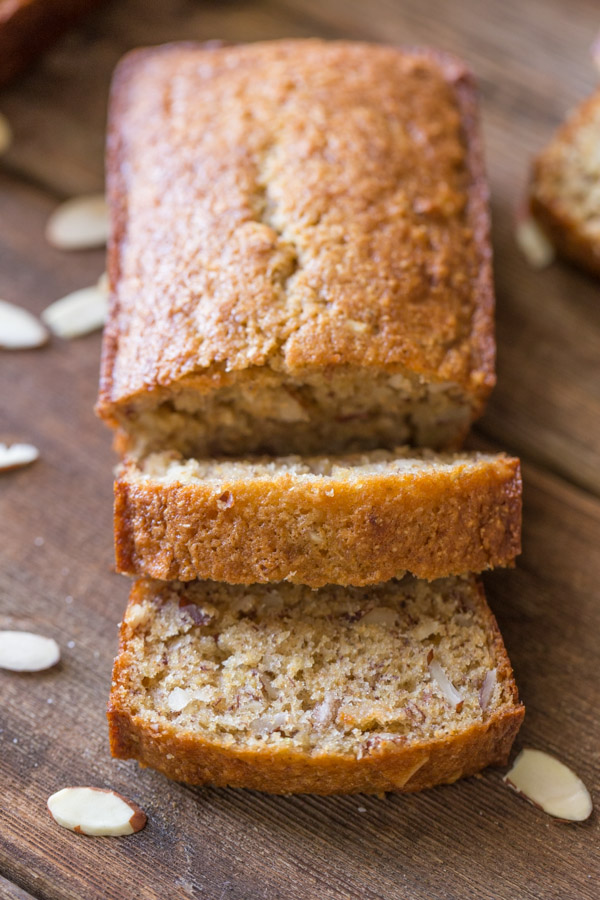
27,26
550,207
432,523
396,766
278,300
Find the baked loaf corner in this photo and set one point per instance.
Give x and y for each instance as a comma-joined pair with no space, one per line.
282,689
352,519
565,187
300,257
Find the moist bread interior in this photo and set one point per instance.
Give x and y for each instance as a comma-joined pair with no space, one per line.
170,467
341,670
350,410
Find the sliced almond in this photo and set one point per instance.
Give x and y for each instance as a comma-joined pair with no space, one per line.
79,224
380,615
533,244
487,688
78,313
95,811
445,685
5,134
548,783
19,329
267,724
17,455
22,651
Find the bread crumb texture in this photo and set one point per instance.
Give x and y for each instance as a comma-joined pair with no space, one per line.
342,673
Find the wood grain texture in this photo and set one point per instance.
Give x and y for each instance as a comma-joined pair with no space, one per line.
475,839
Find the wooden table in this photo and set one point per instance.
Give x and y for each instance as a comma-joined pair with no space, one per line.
475,839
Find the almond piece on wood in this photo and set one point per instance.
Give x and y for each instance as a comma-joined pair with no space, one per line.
533,244
79,224
77,314
549,784
23,651
19,329
14,456
95,811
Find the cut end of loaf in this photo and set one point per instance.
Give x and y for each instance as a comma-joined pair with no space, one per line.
286,689
261,412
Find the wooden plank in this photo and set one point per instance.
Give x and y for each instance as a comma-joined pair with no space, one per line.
475,839
10,891
532,61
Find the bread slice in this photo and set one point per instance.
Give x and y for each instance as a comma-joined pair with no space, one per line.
282,689
352,519
300,257
565,187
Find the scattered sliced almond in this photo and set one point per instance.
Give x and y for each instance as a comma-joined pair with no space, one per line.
380,615
533,244
19,329
549,784
79,224
14,456
445,685
95,811
5,134
78,313
487,688
22,651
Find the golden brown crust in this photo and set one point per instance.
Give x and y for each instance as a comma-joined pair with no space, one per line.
282,226
27,26
433,523
558,175
390,766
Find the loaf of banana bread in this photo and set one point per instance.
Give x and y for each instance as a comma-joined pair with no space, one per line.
300,257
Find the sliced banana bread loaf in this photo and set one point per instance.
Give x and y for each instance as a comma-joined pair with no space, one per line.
283,689
300,257
353,519
565,187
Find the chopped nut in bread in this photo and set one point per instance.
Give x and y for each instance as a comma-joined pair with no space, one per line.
286,689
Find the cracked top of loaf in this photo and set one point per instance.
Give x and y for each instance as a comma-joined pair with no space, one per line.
295,206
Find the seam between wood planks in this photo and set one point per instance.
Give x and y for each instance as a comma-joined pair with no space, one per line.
18,892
